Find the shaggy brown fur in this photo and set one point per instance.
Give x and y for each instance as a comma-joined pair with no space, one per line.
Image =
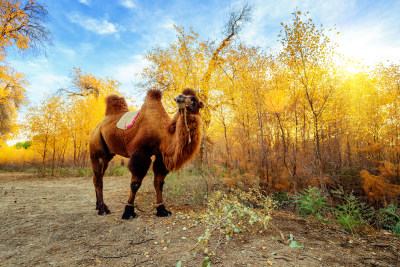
115,105
154,133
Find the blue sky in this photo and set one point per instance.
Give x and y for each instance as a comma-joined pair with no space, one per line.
109,37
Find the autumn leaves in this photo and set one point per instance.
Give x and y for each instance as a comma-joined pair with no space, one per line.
291,116
21,28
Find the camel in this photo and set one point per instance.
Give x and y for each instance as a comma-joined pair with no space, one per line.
172,141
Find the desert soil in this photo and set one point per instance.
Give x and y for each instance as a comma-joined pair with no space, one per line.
52,221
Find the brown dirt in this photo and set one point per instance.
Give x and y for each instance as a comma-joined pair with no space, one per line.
52,221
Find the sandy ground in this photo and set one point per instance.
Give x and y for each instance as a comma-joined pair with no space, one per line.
52,221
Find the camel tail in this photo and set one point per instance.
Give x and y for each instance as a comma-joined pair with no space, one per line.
115,105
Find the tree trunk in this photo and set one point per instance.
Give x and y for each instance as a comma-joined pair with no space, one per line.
317,140
44,159
264,177
54,157
228,156
285,153
348,152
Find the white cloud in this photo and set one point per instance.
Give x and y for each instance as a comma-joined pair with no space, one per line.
267,16
168,24
95,25
128,74
372,37
42,77
85,2
369,44
128,71
43,80
46,83
366,34
159,33
128,4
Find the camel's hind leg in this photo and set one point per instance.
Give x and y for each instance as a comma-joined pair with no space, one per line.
160,171
99,166
139,164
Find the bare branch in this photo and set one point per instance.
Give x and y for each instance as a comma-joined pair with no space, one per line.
29,22
87,89
237,19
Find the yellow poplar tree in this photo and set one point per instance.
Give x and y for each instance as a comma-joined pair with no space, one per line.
85,109
308,53
190,62
43,127
12,96
21,27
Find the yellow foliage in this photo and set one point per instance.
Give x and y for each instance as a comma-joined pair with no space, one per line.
12,96
60,127
235,179
266,113
281,184
10,155
20,23
378,188
21,27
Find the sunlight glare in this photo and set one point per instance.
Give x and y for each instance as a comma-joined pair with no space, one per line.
353,66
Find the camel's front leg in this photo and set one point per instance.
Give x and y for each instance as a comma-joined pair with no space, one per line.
138,165
159,175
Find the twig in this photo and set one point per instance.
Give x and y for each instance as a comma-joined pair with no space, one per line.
312,257
278,258
141,242
282,258
115,257
342,230
380,245
204,178
136,263
215,228
219,239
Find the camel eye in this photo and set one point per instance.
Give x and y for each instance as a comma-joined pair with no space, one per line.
193,99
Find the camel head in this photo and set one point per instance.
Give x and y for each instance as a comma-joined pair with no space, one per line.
189,100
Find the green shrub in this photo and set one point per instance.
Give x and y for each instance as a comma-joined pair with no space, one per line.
186,187
312,202
80,172
234,212
351,212
31,170
282,199
391,218
24,145
117,171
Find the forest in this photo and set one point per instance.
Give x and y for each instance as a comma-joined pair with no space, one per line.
285,119
291,120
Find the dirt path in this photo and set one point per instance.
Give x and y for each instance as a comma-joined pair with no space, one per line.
53,222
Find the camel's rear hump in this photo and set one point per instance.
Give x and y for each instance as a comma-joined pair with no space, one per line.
115,105
154,94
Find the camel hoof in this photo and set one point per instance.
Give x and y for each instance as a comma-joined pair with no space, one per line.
102,209
163,212
129,213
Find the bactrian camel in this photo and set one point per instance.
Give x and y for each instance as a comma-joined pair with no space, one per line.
172,141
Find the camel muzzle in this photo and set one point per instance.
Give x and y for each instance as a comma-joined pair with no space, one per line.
183,101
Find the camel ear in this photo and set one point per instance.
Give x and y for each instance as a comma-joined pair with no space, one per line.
201,105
